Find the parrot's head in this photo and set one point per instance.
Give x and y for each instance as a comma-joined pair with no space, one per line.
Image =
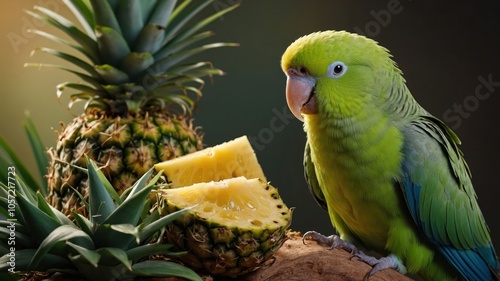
336,74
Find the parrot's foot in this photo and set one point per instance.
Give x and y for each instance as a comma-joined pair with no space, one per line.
391,261
333,241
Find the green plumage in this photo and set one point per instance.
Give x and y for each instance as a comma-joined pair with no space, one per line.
389,173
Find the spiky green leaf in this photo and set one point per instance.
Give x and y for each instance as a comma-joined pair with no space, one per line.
38,150
164,269
192,68
171,48
149,230
104,14
62,218
127,229
146,209
182,15
128,212
152,216
82,199
177,11
150,38
83,223
188,32
59,40
83,13
162,12
147,7
106,236
23,239
90,256
4,166
100,202
89,91
12,162
112,46
136,63
81,64
63,24
35,220
44,207
111,74
113,4
88,272
25,190
129,16
141,183
109,256
85,77
147,250
6,200
109,188
60,235
165,64
48,263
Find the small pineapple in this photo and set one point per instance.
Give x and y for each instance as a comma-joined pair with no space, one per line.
135,76
238,220
235,226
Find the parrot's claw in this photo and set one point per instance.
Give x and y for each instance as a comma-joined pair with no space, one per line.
333,241
391,261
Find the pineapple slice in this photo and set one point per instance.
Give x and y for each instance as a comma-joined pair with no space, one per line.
224,161
234,227
237,202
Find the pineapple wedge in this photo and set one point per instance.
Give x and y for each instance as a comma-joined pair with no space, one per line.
233,227
224,161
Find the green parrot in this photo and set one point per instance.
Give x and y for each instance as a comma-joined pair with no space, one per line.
390,175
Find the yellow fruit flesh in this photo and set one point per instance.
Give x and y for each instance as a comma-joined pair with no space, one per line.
236,202
228,160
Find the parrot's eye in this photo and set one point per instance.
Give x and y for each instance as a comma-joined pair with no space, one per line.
336,69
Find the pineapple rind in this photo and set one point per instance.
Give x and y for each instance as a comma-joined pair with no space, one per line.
239,253
222,249
122,152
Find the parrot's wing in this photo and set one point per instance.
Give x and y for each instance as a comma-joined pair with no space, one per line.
436,184
312,180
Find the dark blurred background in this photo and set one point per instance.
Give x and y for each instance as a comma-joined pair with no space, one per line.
449,54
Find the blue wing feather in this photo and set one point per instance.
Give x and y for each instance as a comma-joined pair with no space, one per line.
436,184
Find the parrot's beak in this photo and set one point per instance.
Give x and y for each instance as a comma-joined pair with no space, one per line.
300,95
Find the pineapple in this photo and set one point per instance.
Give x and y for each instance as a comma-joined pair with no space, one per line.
135,77
238,220
228,160
235,226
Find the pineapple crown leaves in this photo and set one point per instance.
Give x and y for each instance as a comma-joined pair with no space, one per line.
134,52
111,243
